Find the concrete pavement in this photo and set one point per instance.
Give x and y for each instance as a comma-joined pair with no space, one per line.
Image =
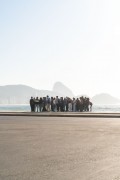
59,148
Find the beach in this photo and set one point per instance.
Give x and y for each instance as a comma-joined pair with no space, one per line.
59,148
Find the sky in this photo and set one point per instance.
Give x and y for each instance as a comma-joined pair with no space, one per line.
76,42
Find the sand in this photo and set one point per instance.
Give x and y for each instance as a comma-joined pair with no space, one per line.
59,148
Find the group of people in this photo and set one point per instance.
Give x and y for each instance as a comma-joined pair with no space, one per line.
61,104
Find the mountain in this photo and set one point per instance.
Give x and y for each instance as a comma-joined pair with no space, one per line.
16,94
62,89
20,94
105,99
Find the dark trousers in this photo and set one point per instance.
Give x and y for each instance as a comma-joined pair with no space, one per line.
57,107
32,107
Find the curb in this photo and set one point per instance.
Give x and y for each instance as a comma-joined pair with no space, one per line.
83,115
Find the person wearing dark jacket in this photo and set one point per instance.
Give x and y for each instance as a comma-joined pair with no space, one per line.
61,104
32,104
41,104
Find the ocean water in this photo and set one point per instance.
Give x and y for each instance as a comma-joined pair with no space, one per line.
106,108
26,108
15,108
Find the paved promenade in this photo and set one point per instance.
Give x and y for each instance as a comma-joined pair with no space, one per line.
59,148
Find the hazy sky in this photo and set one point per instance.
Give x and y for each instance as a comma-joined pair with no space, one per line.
76,42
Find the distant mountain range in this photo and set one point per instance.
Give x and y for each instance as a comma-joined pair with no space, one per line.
105,99
20,94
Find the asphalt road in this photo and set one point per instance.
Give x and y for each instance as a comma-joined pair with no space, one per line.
59,148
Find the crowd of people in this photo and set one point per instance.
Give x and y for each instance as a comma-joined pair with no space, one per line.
56,104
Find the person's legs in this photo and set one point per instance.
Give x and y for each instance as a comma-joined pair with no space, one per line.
57,107
37,107
74,107
70,107
48,107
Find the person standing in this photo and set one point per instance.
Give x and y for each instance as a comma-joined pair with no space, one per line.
32,104
57,103
54,105
36,104
70,105
41,104
44,104
61,104
74,105
48,103
77,105
90,104
81,104
52,108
